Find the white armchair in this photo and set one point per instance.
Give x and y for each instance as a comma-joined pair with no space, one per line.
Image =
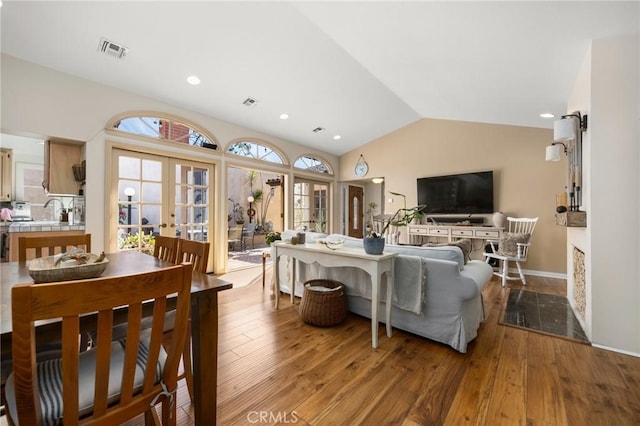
513,246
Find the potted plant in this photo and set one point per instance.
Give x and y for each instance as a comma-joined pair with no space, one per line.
238,212
374,242
272,236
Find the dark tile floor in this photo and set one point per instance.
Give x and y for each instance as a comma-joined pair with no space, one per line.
543,312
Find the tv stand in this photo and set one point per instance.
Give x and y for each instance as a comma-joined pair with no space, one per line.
452,232
456,219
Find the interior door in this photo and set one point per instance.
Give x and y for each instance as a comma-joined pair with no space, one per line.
356,211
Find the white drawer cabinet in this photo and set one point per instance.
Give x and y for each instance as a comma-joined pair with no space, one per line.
454,232
491,234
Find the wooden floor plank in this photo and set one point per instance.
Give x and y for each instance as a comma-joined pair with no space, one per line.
545,402
274,369
508,398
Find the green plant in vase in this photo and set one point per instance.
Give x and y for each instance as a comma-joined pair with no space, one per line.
374,242
272,236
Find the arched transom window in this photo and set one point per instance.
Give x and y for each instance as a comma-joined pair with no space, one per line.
251,149
312,164
166,129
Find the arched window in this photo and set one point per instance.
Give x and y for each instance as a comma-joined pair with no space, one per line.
251,149
312,164
166,129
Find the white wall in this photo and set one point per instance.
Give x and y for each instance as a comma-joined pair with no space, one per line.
41,102
608,90
580,100
615,193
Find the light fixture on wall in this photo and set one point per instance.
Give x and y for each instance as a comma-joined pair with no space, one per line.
568,128
554,151
567,132
377,180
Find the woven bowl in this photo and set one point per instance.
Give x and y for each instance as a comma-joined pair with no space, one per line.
44,270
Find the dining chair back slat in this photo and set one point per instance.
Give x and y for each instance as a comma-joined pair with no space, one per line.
166,248
32,247
139,366
194,252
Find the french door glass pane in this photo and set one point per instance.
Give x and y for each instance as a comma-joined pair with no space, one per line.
139,202
191,202
310,206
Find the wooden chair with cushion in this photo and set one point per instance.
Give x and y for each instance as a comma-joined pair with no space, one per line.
115,381
166,248
196,253
32,247
513,246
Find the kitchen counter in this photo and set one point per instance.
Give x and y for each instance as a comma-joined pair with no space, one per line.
43,226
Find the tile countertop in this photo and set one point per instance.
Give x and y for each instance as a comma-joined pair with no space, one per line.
37,226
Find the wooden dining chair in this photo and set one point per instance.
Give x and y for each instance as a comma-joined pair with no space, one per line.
166,248
32,247
196,253
115,381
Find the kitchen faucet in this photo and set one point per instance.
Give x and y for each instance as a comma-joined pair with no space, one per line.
53,199
64,213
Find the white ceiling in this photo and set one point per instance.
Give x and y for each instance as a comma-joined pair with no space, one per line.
359,69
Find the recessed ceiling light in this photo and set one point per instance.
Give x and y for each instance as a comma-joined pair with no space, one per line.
547,115
193,80
336,137
284,116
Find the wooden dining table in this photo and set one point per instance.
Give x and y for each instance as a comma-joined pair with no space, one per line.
204,320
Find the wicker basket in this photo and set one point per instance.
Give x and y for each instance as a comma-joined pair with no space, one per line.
44,269
324,303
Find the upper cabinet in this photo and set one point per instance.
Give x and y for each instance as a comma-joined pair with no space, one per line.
59,158
6,174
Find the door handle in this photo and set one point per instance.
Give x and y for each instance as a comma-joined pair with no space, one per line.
163,225
173,225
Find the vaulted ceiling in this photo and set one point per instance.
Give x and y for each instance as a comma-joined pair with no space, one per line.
357,69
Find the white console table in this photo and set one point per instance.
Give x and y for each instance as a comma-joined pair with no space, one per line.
452,232
374,265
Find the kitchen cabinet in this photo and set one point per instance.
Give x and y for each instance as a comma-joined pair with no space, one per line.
59,158
6,174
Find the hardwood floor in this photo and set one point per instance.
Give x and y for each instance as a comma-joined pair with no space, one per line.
274,369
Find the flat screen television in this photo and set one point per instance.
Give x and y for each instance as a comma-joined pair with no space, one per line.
465,193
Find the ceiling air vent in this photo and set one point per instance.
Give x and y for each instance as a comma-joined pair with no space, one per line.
318,130
249,102
112,49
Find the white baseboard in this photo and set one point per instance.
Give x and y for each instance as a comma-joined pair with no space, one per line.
620,351
544,274
547,274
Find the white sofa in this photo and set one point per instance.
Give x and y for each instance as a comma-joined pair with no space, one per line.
436,295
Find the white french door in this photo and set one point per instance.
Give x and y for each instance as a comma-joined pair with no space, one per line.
310,205
158,195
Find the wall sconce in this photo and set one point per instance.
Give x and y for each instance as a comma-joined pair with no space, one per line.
566,129
377,180
554,151
567,132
